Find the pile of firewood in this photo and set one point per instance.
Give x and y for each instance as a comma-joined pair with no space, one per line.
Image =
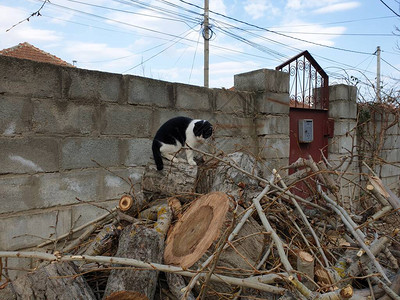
227,230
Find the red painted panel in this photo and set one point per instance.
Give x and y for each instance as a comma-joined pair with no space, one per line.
322,130
321,133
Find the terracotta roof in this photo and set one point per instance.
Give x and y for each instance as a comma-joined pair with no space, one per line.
27,51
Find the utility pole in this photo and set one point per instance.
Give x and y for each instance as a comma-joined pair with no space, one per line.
206,36
378,74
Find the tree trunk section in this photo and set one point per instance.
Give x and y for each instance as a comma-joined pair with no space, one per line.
54,281
140,243
234,182
195,236
175,179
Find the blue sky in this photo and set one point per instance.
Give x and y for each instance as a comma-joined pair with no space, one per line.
162,39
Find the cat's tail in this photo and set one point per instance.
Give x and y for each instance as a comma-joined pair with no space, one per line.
157,155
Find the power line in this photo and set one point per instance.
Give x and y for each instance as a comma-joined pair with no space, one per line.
390,8
277,33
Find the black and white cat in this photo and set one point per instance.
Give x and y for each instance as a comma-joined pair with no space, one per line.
175,134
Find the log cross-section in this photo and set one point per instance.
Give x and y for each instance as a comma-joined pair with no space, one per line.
198,228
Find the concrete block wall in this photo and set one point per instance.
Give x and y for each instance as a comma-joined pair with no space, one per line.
343,109
69,134
271,105
380,137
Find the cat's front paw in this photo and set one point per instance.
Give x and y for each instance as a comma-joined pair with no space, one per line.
192,162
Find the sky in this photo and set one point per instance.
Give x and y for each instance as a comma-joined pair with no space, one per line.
163,39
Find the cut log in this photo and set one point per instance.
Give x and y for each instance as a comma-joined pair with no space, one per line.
305,265
194,238
141,243
175,179
125,295
198,228
234,182
54,281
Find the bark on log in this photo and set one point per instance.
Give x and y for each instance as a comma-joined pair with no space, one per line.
194,237
54,281
177,285
175,179
141,243
234,182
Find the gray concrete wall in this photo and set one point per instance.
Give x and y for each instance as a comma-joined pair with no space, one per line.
343,146
68,133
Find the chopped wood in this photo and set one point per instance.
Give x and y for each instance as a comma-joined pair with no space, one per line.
176,179
305,265
140,243
194,233
53,281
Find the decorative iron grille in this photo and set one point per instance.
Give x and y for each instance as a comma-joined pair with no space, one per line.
309,84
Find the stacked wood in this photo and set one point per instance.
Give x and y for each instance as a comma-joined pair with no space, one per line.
141,243
226,230
53,281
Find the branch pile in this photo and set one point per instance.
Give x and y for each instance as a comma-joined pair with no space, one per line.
225,230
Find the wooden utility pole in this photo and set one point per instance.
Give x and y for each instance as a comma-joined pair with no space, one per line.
378,74
206,36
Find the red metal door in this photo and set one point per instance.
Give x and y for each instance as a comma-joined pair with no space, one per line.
321,128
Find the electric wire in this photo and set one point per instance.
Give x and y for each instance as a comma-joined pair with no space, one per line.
277,33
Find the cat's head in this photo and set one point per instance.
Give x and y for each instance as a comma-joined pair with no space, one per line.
203,129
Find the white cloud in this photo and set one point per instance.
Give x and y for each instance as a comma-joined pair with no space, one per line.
337,7
258,8
321,6
23,32
300,30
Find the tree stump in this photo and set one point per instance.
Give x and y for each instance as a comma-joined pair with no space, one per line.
195,236
140,243
174,179
54,281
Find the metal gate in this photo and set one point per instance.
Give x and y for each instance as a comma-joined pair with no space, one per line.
310,126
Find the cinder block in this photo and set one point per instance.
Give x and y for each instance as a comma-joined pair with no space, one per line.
92,85
389,170
274,147
233,144
192,97
28,154
23,231
391,142
18,77
63,188
15,115
273,103
233,126
341,144
139,152
82,214
345,126
391,156
127,120
149,91
50,116
342,92
343,109
273,124
80,152
119,180
233,102
18,193
263,80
